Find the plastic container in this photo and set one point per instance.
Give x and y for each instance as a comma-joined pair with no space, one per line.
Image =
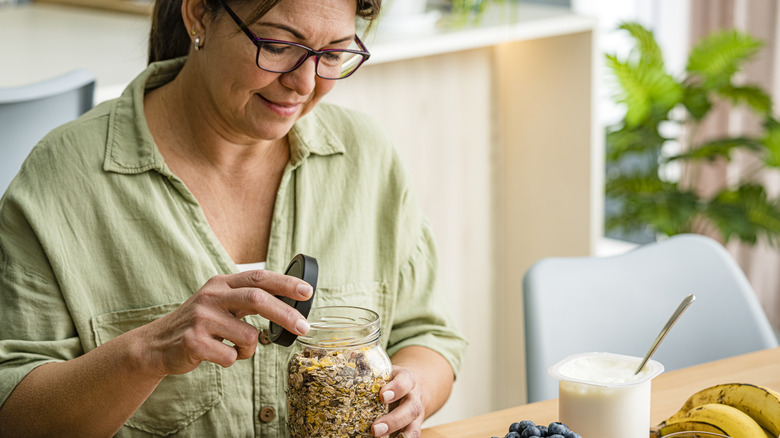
335,373
599,395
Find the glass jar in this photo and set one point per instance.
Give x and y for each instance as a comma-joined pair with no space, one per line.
334,375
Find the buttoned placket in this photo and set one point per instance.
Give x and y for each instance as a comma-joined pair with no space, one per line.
269,358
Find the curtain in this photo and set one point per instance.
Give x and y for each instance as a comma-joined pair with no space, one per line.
761,18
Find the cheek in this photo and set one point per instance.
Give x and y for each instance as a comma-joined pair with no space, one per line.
322,88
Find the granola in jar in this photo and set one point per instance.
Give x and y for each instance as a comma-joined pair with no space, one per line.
335,374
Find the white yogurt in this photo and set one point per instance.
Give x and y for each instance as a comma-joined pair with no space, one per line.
599,395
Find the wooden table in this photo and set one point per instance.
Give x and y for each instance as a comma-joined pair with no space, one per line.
670,390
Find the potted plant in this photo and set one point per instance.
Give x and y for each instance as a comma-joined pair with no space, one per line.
642,196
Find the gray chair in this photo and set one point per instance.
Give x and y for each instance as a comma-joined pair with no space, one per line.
619,304
29,112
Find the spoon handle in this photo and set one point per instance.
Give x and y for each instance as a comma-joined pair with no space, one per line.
680,309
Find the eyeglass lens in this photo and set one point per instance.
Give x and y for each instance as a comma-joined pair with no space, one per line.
283,57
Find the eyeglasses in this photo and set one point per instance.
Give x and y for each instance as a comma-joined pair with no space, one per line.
278,56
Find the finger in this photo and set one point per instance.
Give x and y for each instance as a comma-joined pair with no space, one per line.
401,382
252,301
245,301
414,430
241,334
210,349
273,282
408,411
216,323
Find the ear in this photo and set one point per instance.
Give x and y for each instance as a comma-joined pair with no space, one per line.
193,13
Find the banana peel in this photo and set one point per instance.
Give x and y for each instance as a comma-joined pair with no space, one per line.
760,403
730,420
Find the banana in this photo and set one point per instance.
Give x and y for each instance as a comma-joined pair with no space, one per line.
690,426
760,403
730,420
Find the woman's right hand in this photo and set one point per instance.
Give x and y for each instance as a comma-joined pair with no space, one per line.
178,342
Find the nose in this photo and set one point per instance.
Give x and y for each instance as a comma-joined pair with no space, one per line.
303,79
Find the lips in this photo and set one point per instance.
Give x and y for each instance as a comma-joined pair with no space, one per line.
285,104
284,109
282,104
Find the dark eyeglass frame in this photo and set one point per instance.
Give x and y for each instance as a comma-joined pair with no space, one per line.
259,42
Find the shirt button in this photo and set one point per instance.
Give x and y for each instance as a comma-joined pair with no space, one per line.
265,337
267,414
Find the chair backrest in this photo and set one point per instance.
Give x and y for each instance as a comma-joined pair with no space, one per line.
29,112
619,304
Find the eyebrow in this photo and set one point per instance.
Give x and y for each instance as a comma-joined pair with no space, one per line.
298,35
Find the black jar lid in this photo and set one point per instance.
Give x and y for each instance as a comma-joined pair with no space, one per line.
305,268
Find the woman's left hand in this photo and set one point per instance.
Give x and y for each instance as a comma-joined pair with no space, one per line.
407,410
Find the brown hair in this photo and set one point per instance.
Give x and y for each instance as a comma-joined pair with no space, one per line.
169,38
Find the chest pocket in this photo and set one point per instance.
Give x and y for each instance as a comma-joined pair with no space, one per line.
370,295
178,400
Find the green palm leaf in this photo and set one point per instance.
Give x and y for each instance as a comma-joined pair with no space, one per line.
637,198
646,91
649,52
634,139
663,210
746,213
753,97
771,142
717,57
697,102
719,148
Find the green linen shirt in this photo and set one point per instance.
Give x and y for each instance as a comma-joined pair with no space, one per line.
97,237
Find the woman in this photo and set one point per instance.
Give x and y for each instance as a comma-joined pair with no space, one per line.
128,239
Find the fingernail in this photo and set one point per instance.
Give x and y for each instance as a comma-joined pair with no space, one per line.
304,290
387,396
380,429
302,326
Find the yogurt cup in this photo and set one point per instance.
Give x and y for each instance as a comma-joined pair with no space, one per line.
599,395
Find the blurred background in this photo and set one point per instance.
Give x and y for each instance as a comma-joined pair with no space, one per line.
500,109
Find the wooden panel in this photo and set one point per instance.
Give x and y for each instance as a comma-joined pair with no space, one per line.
545,189
439,111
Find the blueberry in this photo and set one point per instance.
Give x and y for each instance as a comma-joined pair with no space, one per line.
514,427
555,435
571,434
523,425
530,431
512,435
543,430
557,428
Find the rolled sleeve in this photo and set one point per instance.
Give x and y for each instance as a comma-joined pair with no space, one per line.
422,317
34,324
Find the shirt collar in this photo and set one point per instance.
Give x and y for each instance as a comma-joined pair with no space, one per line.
313,135
130,148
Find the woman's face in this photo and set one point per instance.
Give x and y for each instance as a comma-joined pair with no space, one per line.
258,105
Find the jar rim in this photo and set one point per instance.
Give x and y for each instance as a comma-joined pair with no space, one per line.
342,323
374,315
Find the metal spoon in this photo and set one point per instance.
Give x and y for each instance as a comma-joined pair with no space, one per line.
680,309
